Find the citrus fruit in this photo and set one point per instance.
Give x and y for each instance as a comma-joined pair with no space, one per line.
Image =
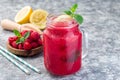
23,15
38,18
63,18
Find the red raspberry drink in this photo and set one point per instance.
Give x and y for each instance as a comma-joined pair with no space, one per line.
62,45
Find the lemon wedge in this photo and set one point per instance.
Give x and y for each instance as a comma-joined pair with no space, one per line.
23,15
38,18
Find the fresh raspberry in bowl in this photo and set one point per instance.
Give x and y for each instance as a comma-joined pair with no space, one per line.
25,43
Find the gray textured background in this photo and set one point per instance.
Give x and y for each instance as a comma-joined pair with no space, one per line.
101,22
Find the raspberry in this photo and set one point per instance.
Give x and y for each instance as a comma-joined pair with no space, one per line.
15,37
34,44
20,46
40,42
23,32
35,35
11,39
14,44
31,31
28,40
27,46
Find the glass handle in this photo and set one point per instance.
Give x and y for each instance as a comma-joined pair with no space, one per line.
84,44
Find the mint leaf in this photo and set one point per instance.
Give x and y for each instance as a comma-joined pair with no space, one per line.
74,7
27,34
78,18
68,12
72,13
20,40
17,33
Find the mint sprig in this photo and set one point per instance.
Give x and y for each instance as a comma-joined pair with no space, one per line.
17,33
21,38
72,13
26,35
74,7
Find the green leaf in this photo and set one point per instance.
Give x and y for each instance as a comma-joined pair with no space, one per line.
20,40
74,7
72,11
78,18
27,34
68,12
17,33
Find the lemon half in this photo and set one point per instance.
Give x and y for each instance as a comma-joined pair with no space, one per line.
23,15
38,18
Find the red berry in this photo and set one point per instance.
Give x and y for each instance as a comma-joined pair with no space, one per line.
14,44
15,37
11,39
34,44
31,31
40,42
27,46
20,46
35,35
28,40
23,32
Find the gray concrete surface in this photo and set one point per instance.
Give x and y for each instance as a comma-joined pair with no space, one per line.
101,22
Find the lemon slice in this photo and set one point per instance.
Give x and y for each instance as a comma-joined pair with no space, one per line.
23,15
63,18
38,18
